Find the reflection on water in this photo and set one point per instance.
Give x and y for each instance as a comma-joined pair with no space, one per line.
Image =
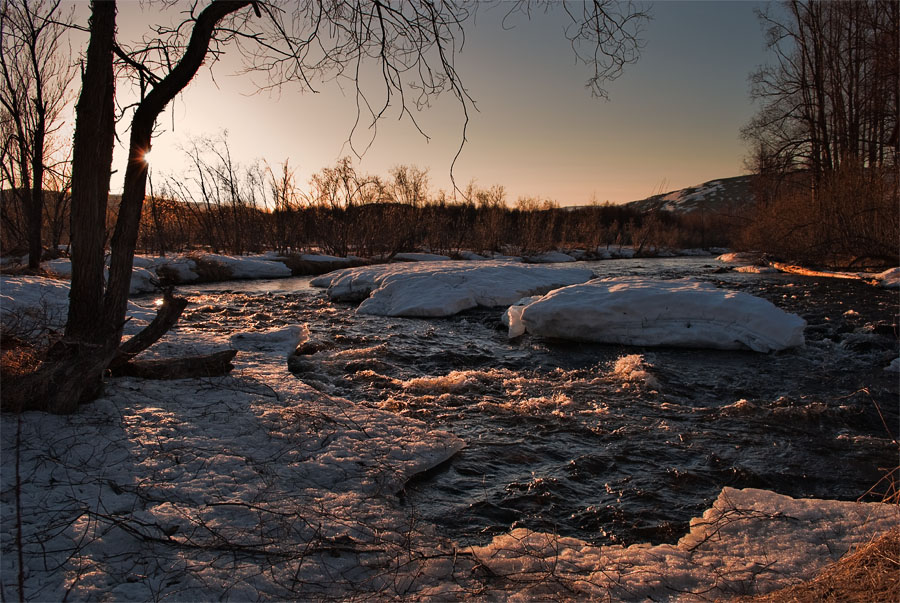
606,442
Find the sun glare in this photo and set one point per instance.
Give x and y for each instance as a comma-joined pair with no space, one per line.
145,156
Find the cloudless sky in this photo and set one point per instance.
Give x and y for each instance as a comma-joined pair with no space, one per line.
672,120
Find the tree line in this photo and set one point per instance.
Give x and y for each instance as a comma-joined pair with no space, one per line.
825,140
222,206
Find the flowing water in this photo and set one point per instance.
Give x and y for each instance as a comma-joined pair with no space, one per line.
608,443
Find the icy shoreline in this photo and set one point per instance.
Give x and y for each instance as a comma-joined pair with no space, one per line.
256,486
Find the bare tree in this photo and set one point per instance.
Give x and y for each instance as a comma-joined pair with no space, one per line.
831,109
34,78
302,42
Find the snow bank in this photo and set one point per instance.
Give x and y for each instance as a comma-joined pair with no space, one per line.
751,541
37,300
443,288
248,267
889,279
471,256
181,270
639,311
421,257
143,279
61,267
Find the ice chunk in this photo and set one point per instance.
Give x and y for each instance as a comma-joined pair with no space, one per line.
512,318
443,288
282,340
640,311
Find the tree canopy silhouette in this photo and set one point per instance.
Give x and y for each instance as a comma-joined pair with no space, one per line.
410,46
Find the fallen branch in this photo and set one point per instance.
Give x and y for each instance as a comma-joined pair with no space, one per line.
808,272
207,365
166,317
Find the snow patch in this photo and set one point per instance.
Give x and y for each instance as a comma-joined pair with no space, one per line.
443,288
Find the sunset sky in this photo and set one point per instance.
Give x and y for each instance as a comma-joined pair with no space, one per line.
672,120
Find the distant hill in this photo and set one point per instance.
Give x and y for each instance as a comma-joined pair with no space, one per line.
715,195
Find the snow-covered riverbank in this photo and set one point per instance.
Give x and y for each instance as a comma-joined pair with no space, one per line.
255,486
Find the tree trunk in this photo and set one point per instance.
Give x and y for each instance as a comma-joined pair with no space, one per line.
125,235
74,368
91,167
36,201
73,371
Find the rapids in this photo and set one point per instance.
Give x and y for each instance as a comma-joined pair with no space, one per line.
612,444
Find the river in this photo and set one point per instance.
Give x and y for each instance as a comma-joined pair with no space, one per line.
608,443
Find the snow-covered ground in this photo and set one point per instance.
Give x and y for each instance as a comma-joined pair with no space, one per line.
443,288
640,311
255,486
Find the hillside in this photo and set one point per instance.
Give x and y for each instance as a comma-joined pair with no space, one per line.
715,195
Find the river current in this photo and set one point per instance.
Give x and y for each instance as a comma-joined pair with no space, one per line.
608,443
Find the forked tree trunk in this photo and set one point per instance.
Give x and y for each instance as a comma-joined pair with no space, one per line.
92,153
134,189
74,369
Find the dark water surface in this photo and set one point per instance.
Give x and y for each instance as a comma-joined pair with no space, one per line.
607,443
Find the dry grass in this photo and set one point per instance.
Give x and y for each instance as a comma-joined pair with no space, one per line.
869,574
18,361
